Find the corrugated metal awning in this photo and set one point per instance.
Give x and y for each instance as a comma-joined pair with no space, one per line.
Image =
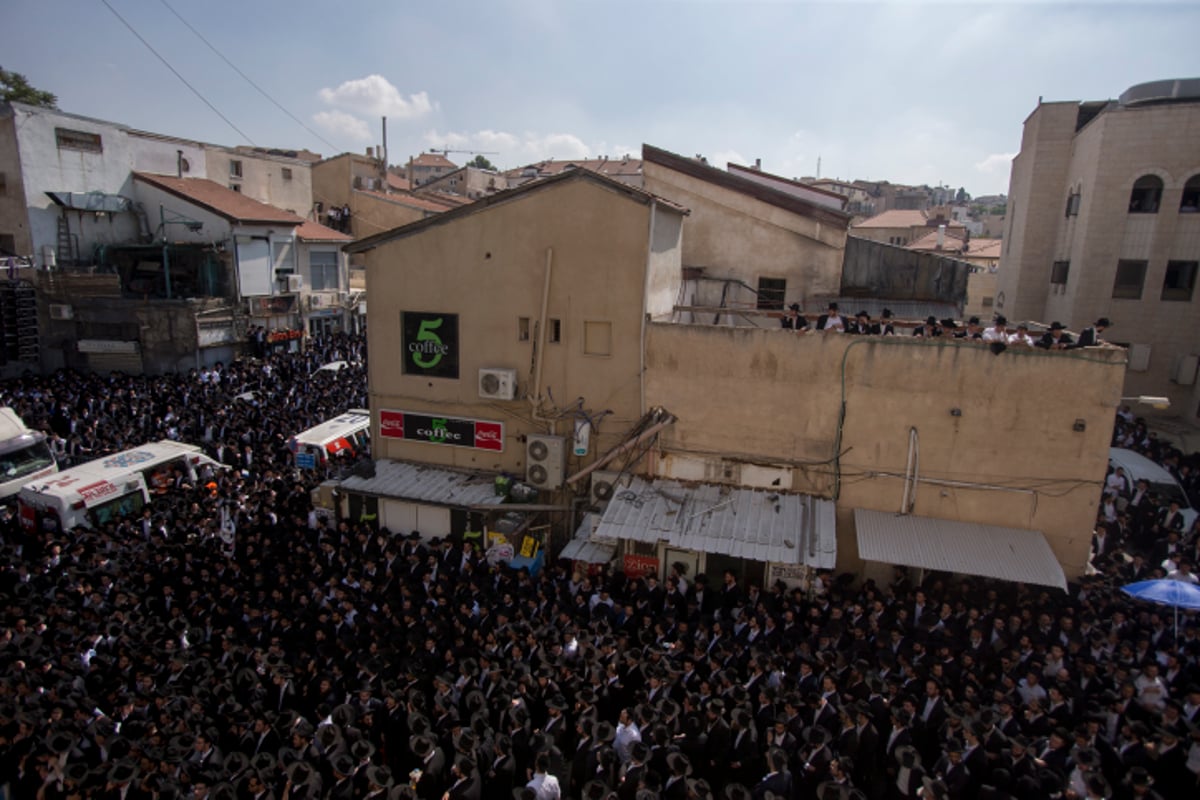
1009,554
446,487
588,552
98,202
711,518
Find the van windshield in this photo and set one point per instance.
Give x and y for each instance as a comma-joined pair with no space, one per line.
26,461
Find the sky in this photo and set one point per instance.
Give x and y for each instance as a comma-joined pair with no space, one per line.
910,92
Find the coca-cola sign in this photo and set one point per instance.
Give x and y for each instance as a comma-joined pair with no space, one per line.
433,429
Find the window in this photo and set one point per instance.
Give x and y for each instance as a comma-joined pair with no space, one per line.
286,173
554,332
522,329
67,139
1190,203
1146,195
3,184
237,187
771,292
1180,280
597,338
235,168
1130,277
8,244
1058,272
1073,200
323,270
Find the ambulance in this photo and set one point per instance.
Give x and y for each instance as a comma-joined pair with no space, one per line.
24,454
103,490
349,432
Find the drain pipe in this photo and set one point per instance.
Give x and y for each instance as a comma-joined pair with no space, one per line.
535,397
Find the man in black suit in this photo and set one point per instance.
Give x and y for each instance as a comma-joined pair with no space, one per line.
1090,337
778,780
1056,338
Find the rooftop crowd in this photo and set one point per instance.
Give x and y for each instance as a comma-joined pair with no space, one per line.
142,660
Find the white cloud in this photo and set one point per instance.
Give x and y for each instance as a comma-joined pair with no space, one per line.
376,96
721,158
512,149
994,161
341,124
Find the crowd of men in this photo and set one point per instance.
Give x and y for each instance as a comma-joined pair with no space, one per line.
142,660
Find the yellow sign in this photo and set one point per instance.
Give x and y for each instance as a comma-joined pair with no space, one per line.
529,547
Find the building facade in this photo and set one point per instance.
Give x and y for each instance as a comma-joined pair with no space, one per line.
1104,221
535,337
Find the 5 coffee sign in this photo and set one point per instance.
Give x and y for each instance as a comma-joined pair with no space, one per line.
473,433
430,344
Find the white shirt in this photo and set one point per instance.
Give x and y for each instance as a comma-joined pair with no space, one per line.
626,736
995,335
1016,338
545,787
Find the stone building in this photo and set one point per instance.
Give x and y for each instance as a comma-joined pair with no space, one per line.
1104,221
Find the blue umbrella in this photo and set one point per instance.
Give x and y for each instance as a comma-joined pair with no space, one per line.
1177,594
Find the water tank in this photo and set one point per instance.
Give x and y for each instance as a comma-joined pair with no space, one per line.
1175,89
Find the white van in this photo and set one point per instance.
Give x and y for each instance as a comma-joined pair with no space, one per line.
94,493
24,454
1139,468
348,432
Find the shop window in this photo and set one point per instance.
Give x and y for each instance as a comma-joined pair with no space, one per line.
1130,277
1190,203
1058,272
597,338
1146,195
771,292
1179,281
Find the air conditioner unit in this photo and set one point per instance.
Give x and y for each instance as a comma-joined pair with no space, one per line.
295,283
61,311
605,484
497,384
545,460
316,301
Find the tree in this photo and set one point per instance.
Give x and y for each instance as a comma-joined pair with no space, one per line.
15,87
479,162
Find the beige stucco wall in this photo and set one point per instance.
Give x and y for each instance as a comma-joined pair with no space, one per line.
489,267
331,182
733,235
13,219
263,177
371,214
773,397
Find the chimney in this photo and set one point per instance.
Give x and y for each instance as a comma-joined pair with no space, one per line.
758,165
941,240
370,152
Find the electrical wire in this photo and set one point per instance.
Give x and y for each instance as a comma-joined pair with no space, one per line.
246,78
176,73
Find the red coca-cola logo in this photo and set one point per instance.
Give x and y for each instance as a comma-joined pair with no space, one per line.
489,436
391,424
